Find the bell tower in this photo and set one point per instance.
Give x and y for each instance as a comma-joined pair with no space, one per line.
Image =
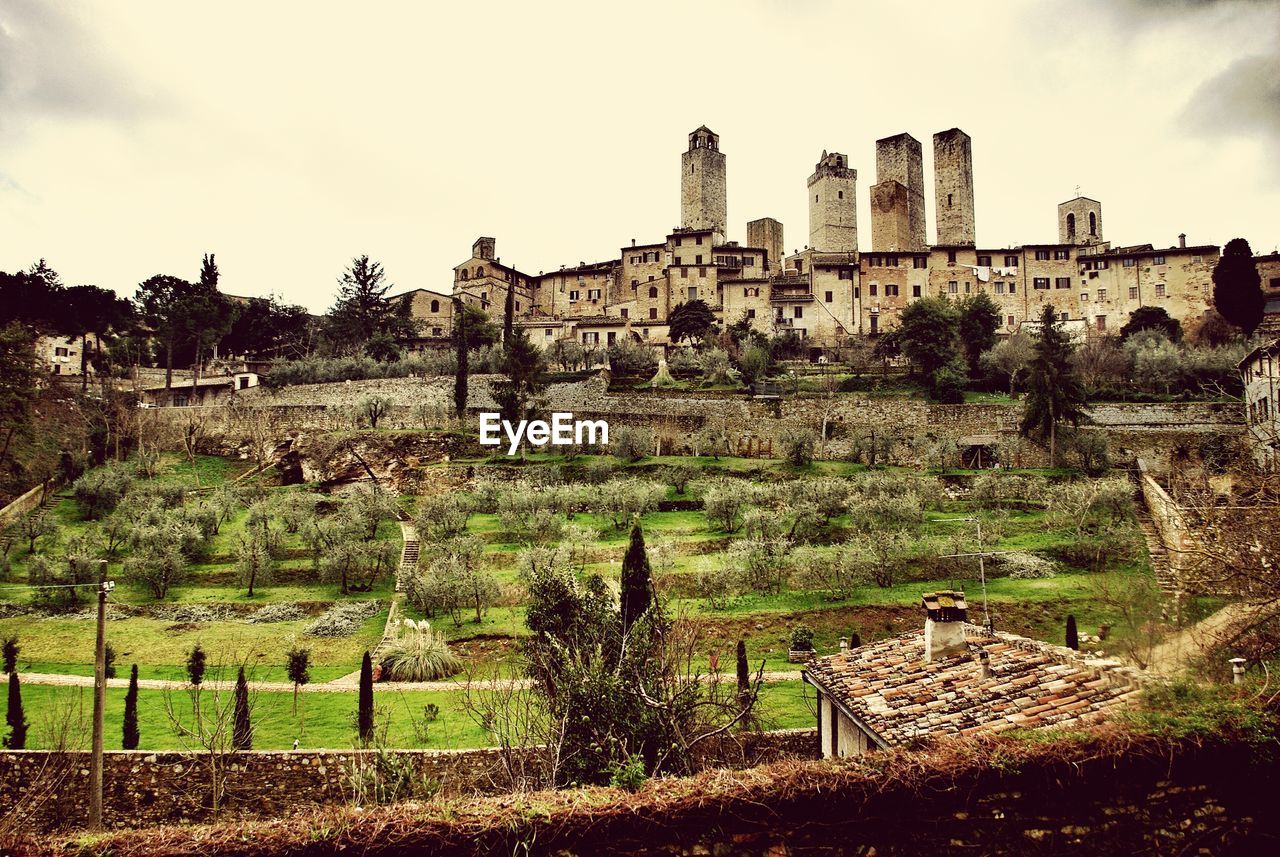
833,213
702,183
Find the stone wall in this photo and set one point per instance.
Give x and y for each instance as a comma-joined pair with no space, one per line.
142,787
676,417
16,510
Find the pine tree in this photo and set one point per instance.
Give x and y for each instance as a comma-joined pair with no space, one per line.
362,320
364,711
130,741
1237,287
15,717
637,581
1055,394
1073,637
241,729
460,347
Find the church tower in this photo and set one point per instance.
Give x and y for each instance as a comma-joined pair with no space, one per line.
702,184
1080,221
833,212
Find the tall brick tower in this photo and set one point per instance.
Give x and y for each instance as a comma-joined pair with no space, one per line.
897,200
833,212
767,233
702,183
1080,221
953,186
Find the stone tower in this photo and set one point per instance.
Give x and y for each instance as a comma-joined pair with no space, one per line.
833,212
953,186
483,248
1080,221
702,183
767,233
897,200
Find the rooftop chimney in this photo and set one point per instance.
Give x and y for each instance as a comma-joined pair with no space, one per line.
1182,239
984,664
945,615
844,644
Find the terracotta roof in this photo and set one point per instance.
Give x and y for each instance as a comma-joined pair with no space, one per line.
889,689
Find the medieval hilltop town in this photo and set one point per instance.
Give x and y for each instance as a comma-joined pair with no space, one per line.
983,537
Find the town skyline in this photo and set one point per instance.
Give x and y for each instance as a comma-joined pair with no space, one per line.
126,151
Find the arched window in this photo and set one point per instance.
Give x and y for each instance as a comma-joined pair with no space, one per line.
435,306
1071,226
653,291
463,274
1093,223
479,271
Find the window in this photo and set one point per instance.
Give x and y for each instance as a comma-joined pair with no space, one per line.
699,241
920,262
839,194
1101,322
875,324
857,292
653,313
1084,297
635,284
591,336
548,332
1062,282
751,313
1011,321
1133,293
1071,226
517,306
1159,290
612,337
845,274
1159,260
1061,255
872,290
697,260
915,291
1129,263
1011,261
593,294
1042,255
702,272
953,287
693,293
653,291
1040,283
1093,223
435,306
59,352
951,257
797,312
573,295
828,297
748,261
435,331
676,261
998,287
1102,294
984,261
890,289
1013,288
479,272
624,312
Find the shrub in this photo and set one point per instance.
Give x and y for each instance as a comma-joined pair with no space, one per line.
419,654
628,358
797,446
100,490
271,613
802,638
994,490
1026,566
343,619
631,444
724,505
678,476
715,368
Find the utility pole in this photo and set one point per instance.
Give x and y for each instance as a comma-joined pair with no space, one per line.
99,700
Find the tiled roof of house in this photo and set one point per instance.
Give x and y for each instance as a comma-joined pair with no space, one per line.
890,689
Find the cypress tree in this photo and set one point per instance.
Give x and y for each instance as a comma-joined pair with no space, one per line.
195,665
855,640
1073,636
1237,287
460,347
1055,393
364,712
637,583
744,673
131,711
109,660
15,717
11,650
241,728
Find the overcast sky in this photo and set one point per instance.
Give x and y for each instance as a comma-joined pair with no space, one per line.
287,138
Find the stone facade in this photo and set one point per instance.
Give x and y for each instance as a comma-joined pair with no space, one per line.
898,222
953,187
833,214
1080,221
703,186
1260,372
766,233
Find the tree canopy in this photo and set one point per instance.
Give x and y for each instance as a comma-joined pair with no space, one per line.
362,320
1151,318
1055,394
691,321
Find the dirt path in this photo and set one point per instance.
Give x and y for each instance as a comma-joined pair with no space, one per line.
1176,653
345,684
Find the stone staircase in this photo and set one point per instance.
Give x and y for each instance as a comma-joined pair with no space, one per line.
408,565
48,505
1166,576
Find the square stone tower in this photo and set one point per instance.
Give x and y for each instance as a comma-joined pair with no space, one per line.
833,212
767,233
1080,221
953,187
703,202
897,200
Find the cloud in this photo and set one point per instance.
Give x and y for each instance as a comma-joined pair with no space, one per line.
50,65
1243,100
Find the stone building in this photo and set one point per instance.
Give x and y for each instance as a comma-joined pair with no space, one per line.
832,290
1260,372
954,678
